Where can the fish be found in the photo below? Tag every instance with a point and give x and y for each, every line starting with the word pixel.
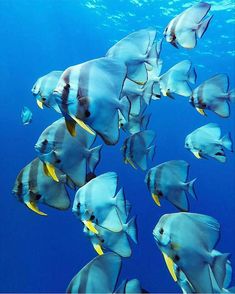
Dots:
pixel 188 240
pixel 137 148
pixel 176 80
pixel 206 142
pixel 43 90
pixel 57 149
pixel 168 181
pixel 131 286
pixel 89 94
pixel 136 51
pixel 26 116
pixel 225 278
pixel 99 276
pixel 135 123
pixel 115 241
pixel 97 203
pixel 187 27
pixel 213 95
pixel 33 187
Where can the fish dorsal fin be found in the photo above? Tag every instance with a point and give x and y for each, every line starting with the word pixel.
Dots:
pixel 217 85
pixel 212 129
pixel 178 167
pixel 196 13
pixel 147 136
pixel 209 228
pixel 98 276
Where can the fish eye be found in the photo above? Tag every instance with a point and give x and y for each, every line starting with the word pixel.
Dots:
pixel 38 196
pixel 58 161
pixel 67 86
pixel 176 258
pixel 121 124
pixel 78 205
pixel 161 231
pixel 87 113
pixel 92 217
pixel 43 99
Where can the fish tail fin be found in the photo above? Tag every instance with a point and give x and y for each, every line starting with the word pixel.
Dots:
pixel 192 76
pixel 190 188
pixel 120 200
pixel 147 92
pixel 145 121
pixel 231 95
pixel 218 268
pixel 94 157
pixel 202 27
pixel 151 152
pixel 131 229
pixel 125 107
pixel 227 142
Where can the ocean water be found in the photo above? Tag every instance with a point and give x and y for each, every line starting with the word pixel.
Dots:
pixel 42 254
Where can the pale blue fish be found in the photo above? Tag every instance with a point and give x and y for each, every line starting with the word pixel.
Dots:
pixel 138 148
pixel 26 116
pixel 169 181
pixel 206 142
pixel 98 203
pixel 214 95
pixel 115 241
pixel 43 90
pixel 135 124
pixel 90 94
pixel 135 51
pixel 130 286
pixel 224 277
pixel 185 28
pixel 33 187
pixel 176 80
pixel 99 276
pixel 188 240
pixel 70 155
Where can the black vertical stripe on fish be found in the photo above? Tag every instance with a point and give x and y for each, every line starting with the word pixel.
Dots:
pixel 65 92
pixel 172 32
pixel 200 96
pixel 83 91
pixel 19 184
pixel 157 177
pixel 43 147
pixel 148 180
pixel 33 175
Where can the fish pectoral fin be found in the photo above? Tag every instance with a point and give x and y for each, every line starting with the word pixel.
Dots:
pixel 170 266
pixel 40 104
pixel 50 170
pixel 32 205
pixel 197 154
pixel 201 111
pixel 70 124
pixel 98 249
pixel 83 125
pixel 90 226
pixel 130 162
pixel 156 199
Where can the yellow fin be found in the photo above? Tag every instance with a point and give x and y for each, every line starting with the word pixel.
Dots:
pixel 32 205
pixel 140 83
pixel 131 163
pixel 90 226
pixel 46 170
pixel 71 127
pixel 156 199
pixel 201 111
pixel 52 172
pixel 40 104
pixel 98 249
pixel 83 125
pixel 170 266
pixel 197 154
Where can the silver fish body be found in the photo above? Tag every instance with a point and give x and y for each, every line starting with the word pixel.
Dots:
pixel 43 90
pixel 188 240
pixel 72 156
pixel 206 142
pixel 168 181
pixel 185 28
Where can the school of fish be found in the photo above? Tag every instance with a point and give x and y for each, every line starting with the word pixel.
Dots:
pixel 101 97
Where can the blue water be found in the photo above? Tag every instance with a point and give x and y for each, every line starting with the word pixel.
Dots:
pixel 42 254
